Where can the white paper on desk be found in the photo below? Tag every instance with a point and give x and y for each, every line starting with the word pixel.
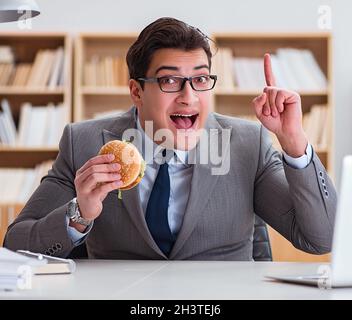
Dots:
pixel 8 256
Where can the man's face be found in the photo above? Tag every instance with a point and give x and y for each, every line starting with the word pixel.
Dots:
pixel 183 112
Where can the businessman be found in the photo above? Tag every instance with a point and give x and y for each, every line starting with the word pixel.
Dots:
pixel 182 209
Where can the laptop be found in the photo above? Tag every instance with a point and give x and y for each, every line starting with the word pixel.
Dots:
pixel 339 272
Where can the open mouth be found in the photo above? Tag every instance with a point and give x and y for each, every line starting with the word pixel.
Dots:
pixel 184 121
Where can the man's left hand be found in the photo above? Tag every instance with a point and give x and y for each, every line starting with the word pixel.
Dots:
pixel 280 111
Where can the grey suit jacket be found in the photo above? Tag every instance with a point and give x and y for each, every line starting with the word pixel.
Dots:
pixel 219 218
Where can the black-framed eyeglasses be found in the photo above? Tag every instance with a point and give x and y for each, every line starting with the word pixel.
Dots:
pixel 176 83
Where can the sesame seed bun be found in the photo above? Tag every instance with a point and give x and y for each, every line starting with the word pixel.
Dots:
pixel 128 156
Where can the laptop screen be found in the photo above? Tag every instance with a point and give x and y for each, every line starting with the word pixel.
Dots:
pixel 342 240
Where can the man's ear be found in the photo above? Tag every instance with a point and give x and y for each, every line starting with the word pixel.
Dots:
pixel 136 92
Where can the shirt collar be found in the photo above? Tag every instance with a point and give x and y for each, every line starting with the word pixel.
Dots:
pixel 180 154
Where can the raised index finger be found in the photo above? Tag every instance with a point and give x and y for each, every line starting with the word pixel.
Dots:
pixel 268 72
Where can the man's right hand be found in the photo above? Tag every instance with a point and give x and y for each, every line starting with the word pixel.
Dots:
pixel 94 180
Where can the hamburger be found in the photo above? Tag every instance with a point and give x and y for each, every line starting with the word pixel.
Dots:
pixel 130 160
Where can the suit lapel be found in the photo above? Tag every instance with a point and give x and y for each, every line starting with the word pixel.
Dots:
pixel 202 185
pixel 130 198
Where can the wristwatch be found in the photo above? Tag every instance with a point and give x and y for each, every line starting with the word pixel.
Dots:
pixel 75 215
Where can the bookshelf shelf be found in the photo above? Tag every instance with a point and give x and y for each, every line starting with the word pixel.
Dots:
pixel 25 157
pixel 28 149
pixel 122 90
pixel 100 62
pixel 11 90
pixel 44 54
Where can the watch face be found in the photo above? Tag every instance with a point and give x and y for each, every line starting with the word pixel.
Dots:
pixel 83 221
pixel 72 209
pixel 75 215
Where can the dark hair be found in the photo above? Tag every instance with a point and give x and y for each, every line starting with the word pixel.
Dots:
pixel 160 34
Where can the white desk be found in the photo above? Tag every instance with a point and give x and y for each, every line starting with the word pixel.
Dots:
pixel 121 279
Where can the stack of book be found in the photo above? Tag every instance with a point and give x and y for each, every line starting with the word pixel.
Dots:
pixel 315 125
pixel 105 72
pixel 6 54
pixel 8 131
pixel 39 126
pixel 222 67
pixel 21 183
pixel 47 70
pixel 295 69
pixel 6 64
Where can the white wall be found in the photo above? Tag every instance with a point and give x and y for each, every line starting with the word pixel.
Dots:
pixel 219 15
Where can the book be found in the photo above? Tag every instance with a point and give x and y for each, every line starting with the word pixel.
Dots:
pixel 21 183
pixel 56 68
pixel 294 69
pixel 8 121
pixel 6 54
pixel 53 265
pixel 25 114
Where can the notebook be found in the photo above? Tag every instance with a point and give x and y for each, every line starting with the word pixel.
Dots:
pixel 53 265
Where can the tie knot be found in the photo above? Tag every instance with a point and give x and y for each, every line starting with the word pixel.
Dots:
pixel 167 155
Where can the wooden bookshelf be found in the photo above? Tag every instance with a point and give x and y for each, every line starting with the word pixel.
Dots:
pixel 25 47
pixel 90 99
pixel 8 212
pixel 25 157
pixel 237 102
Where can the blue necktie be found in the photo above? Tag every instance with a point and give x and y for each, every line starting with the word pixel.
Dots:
pixel 156 214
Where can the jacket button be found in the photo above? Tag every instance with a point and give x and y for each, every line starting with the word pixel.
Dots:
pixel 326 193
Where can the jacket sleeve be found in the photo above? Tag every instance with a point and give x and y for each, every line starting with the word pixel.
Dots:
pixel 298 203
pixel 41 225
